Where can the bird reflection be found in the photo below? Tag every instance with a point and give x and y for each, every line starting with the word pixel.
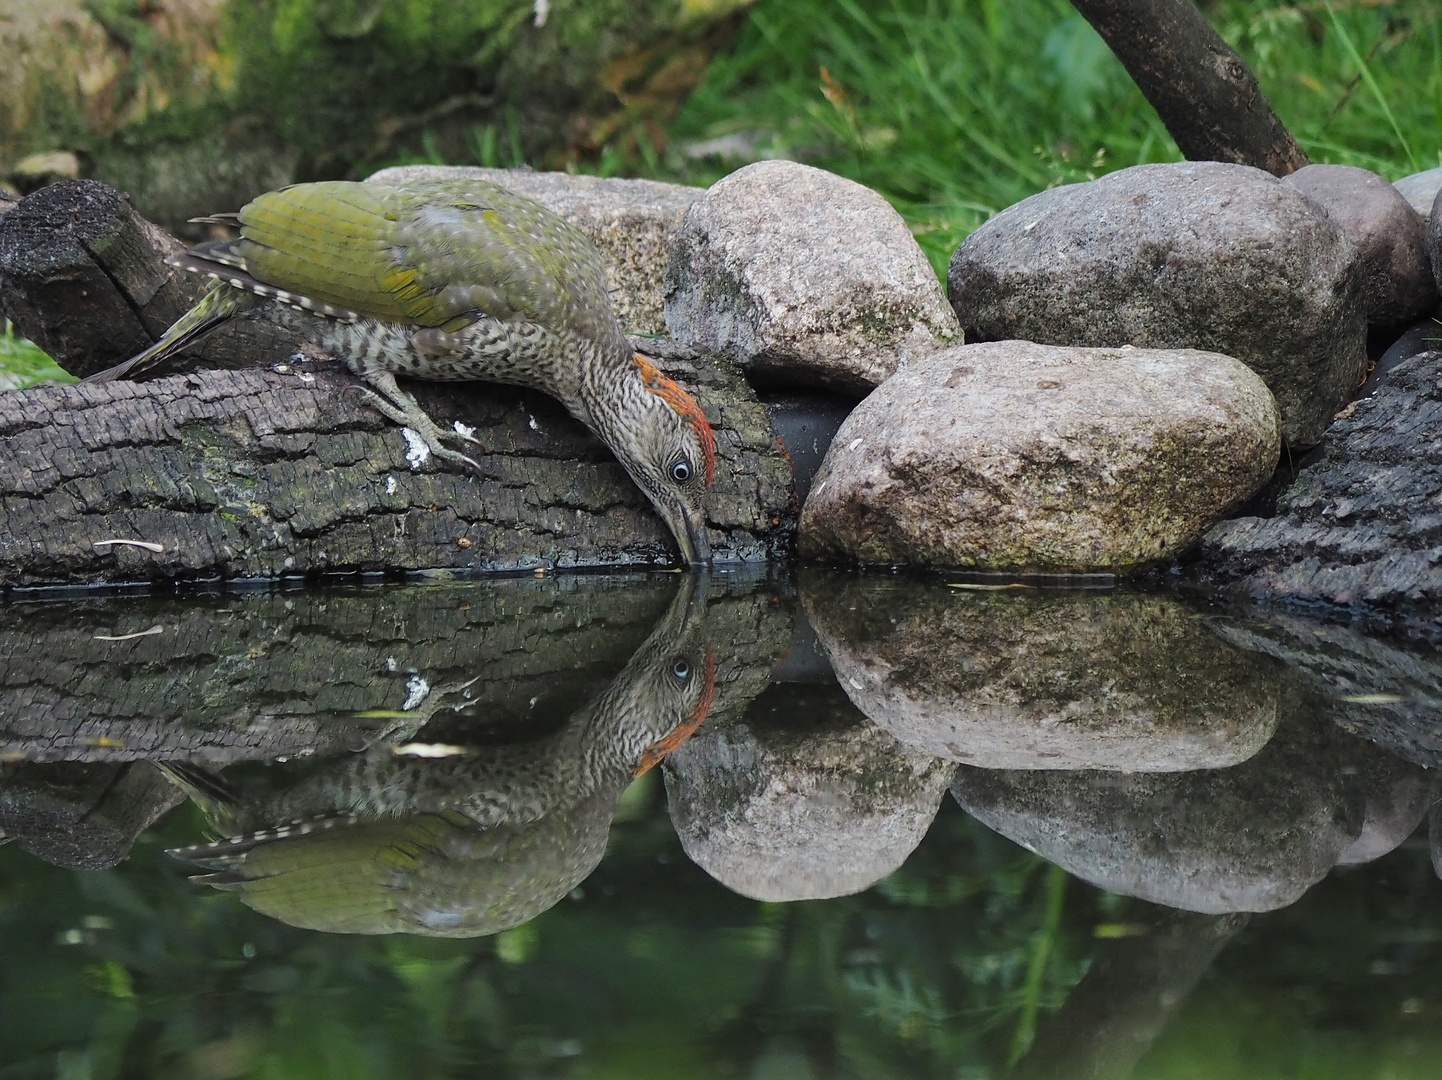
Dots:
pixel 463 845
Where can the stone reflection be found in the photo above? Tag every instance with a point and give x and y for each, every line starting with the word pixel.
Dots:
pixel 802 799
pixel 486 839
pixel 1031 679
pixel 1246 839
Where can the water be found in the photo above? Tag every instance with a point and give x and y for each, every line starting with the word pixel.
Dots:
pixel 658 826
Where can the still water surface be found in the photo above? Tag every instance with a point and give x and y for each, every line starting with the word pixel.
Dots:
pixel 661 826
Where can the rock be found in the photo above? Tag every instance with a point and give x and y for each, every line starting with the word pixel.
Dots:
pixel 803 799
pixel 1420 189
pixel 1017 456
pixel 628 220
pixel 1360 526
pixel 1196 255
pixel 804 277
pixel 1434 239
pixel 1045 680
pixel 1392 241
pixel 1250 838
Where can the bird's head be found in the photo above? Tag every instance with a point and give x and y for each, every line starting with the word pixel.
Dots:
pixel 665 443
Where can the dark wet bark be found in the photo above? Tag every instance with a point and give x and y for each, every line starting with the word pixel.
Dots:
pixel 1358 528
pixel 264 473
pixel 81 816
pixel 1202 90
pixel 81 275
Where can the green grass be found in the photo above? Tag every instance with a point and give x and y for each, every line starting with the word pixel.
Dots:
pixel 23 364
pixel 955 109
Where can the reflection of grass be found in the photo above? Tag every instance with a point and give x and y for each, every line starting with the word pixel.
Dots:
pixel 23 364
pixel 1042 945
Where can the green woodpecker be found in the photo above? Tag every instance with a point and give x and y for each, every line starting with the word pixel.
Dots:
pixel 455 280
pixel 458 846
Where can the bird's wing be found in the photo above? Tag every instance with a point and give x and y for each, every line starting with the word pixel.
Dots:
pixel 429 254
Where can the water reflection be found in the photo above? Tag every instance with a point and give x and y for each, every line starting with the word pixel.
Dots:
pixel 485 837
pixel 803 799
pixel 807 731
pixel 1250 838
pixel 1034 680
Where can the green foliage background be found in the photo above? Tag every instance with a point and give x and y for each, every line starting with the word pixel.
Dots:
pixel 952 109
pixel 651 971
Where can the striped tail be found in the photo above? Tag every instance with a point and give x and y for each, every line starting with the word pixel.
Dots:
pixel 215 307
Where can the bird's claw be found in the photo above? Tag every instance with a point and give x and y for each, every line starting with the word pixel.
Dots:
pixel 416 420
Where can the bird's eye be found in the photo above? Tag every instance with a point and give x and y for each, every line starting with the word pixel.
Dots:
pixel 681 670
pixel 681 471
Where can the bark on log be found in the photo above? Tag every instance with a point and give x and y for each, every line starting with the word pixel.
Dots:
pixel 1203 91
pixel 82 276
pixel 263 474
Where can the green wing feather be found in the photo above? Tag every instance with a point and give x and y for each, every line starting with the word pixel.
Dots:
pixel 434 254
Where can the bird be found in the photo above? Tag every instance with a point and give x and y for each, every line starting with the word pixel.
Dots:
pixel 466 845
pixel 452 280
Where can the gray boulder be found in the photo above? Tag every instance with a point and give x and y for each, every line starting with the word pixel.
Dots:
pixel 810 803
pixel 1250 838
pixel 1195 255
pixel 1015 456
pixel 1389 235
pixel 1045 680
pixel 1420 189
pixel 628 220
pixel 805 278
pixel 1434 240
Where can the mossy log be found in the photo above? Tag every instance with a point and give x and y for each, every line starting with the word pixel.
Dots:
pixel 284 469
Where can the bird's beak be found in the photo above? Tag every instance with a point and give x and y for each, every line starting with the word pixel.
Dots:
pixel 690 532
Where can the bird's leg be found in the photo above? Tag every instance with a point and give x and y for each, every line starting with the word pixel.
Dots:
pixel 406 723
pixel 399 406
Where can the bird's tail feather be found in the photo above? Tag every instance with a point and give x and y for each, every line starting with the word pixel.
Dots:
pixel 218 305
pixel 217 797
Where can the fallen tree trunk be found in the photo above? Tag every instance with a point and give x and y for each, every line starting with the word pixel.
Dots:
pixel 263 474
pixel 284 470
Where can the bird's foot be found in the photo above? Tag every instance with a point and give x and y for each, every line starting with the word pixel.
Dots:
pixel 395 404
